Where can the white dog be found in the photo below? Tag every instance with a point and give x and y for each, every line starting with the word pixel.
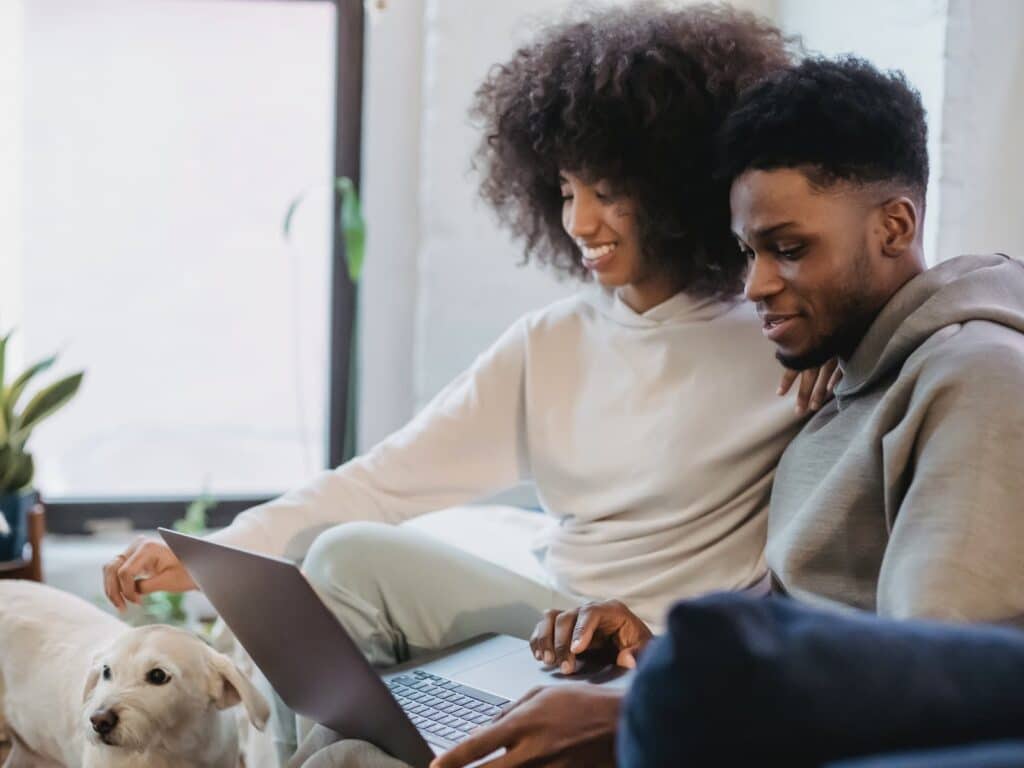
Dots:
pixel 80 689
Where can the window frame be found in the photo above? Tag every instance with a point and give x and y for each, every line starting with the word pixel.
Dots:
pixel 74 515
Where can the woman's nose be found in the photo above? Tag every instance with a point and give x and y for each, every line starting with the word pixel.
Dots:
pixel 582 218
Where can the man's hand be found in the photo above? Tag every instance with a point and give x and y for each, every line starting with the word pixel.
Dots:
pixel 816 385
pixel 562 727
pixel 146 566
pixel 562 635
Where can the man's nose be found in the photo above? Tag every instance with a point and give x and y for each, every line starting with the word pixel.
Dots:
pixel 103 721
pixel 762 279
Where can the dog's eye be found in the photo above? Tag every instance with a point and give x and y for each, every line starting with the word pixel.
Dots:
pixel 157 676
pixel 106 672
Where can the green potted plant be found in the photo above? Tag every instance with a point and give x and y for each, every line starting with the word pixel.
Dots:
pixel 17 469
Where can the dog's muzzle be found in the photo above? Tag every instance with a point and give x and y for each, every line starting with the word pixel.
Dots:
pixel 103 721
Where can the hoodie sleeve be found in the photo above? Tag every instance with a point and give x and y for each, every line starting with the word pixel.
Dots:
pixel 467 442
pixel 955 546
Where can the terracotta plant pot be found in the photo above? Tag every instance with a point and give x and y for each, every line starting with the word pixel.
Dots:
pixel 15 508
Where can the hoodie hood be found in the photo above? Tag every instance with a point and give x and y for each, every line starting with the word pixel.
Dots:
pixel 989 287
pixel 678 309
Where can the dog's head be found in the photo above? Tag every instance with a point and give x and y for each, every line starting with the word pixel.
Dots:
pixel 161 687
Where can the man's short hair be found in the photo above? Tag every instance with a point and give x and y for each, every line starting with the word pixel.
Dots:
pixel 836 120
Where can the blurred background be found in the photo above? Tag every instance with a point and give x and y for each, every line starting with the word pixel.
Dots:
pixel 150 149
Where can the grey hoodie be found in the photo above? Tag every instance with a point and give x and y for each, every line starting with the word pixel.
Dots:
pixel 905 494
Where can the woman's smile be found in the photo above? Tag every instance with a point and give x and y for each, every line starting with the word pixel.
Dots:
pixel 598 257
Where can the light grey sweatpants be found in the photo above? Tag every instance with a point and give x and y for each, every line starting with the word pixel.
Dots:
pixel 400 593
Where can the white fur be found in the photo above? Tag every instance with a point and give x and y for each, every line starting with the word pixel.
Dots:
pixel 53 648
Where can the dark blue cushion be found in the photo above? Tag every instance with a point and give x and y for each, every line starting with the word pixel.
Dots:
pixel 1000 754
pixel 740 680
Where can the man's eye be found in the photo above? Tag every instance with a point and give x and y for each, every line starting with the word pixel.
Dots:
pixel 106 672
pixel 791 252
pixel 157 676
pixel 566 196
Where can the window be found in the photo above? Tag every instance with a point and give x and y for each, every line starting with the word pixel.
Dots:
pixel 162 143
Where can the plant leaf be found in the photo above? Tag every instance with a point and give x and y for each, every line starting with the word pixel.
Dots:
pixel 24 470
pixel 16 388
pixel 7 467
pixel 293 206
pixel 3 356
pixel 16 469
pixel 352 226
pixel 44 403
pixel 194 521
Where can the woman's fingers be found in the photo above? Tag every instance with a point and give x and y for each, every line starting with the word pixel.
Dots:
pixel 803 395
pixel 146 566
pixel 821 391
pixel 111 578
pixel 816 385
pixel 788 377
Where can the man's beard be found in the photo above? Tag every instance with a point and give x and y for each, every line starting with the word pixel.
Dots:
pixel 854 312
pixel 840 343
pixel 816 358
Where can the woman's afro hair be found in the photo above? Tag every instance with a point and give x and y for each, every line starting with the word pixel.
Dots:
pixel 633 96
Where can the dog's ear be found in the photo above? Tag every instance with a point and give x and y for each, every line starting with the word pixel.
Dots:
pixel 228 686
pixel 90 680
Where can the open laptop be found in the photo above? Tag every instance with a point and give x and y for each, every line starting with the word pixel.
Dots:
pixel 413 712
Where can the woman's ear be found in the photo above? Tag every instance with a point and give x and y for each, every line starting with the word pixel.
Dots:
pixel 228 686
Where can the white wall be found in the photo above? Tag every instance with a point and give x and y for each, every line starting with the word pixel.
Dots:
pixel 391 171
pixel 983 130
pixel 470 287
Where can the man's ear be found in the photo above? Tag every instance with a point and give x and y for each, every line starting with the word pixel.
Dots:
pixel 901 221
pixel 228 686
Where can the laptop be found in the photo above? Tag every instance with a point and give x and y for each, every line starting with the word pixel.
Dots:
pixel 412 712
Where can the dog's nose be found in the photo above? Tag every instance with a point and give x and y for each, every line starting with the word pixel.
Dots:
pixel 103 721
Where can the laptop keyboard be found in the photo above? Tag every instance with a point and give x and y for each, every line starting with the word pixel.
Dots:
pixel 442 707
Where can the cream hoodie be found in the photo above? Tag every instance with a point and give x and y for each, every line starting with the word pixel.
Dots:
pixel 652 440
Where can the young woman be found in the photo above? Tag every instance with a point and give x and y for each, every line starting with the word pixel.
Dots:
pixel 643 408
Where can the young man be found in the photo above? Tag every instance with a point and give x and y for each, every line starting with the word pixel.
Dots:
pixel 903 497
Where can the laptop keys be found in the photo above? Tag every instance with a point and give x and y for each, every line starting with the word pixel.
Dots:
pixel 442 708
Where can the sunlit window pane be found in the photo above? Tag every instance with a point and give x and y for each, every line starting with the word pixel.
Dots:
pixel 164 140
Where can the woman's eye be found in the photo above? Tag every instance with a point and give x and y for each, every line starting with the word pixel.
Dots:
pixel 106 672
pixel 157 676
pixel 789 252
